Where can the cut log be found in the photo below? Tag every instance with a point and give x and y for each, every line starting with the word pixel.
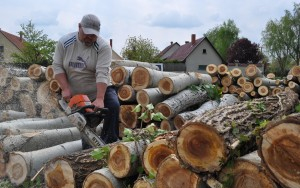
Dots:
pixel 150 96
pixel 102 178
pixel 120 160
pixel 228 99
pixel 183 117
pixel 71 170
pixel 279 150
pixel 54 86
pixel 22 84
pixel 175 84
pixel 216 80
pixel 264 82
pixel 212 69
pixel 144 182
pixel 248 87
pixel 242 80
pixel 244 96
pixel 49 73
pixel 247 172
pixel 27 104
pixel 271 75
pixel 22 165
pixel 37 72
pixel 121 75
pixel 154 154
pixel 294 86
pixel 6 96
pixel 143 77
pixel 236 73
pixel 126 93
pixel 167 125
pixel 252 72
pixel 128 117
pixel 295 71
pixel 263 91
pixel 170 173
pixel 226 80
pixel 7 115
pixel 204 143
pixel 276 90
pixel 222 69
pixel 3 76
pixel 179 102
pixel 131 63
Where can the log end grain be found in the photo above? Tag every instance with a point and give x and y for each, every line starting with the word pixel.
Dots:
pixel 171 174
pixel 222 69
pixel 164 109
pixel 166 85
pixel 118 75
pixel 154 154
pixel 142 183
pixel 178 121
pixel 212 69
pixel 125 92
pixel 142 98
pixel 200 147
pixel 98 179
pixel 59 174
pixel 119 160
pixel 140 78
pixel 280 151
pixel 16 169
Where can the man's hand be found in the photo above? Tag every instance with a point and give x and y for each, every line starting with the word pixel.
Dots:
pixel 98 103
pixel 66 94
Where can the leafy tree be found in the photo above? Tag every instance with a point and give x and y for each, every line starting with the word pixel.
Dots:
pixel 139 49
pixel 37 47
pixel 281 39
pixel 223 36
pixel 243 51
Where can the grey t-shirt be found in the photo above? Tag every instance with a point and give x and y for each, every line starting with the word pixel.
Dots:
pixel 84 66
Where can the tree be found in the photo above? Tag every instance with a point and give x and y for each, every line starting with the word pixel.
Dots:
pixel 139 49
pixel 243 51
pixel 37 47
pixel 223 36
pixel 281 39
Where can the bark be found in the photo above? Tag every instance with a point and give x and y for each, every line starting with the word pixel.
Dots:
pixel 22 84
pixel 121 75
pixel 49 73
pixel 294 86
pixel 228 99
pixel 179 102
pixel 279 150
pixel 71 170
pixel 244 96
pixel 3 76
pixel 120 158
pixel 247 172
pixel 170 173
pixel 175 84
pixel 7 115
pixel 205 142
pixel 126 93
pixel 131 63
pixel 181 118
pixel 150 96
pixel 264 82
pixel 102 178
pixel 212 69
pixel 6 96
pixel 128 117
pixel 252 71
pixel 154 154
pixel 22 165
pixel 143 77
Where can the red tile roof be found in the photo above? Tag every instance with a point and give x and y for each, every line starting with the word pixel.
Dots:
pixel 184 51
pixel 167 48
pixel 15 40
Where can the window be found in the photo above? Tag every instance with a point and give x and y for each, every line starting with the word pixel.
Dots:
pixel 1 48
pixel 202 67
pixel 204 51
pixel 1 53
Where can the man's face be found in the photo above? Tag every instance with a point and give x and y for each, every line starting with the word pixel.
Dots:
pixel 87 39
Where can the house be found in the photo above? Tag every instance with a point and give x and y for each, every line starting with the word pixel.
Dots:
pixel 169 50
pixel 115 55
pixel 194 55
pixel 9 44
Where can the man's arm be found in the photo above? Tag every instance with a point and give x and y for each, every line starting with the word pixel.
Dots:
pixel 64 85
pixel 101 89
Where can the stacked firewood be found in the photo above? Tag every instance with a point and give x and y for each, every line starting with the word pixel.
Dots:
pixel 196 152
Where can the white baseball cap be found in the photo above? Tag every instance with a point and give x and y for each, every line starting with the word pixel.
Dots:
pixel 90 24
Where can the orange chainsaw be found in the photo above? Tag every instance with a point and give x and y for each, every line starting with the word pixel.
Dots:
pixel 80 112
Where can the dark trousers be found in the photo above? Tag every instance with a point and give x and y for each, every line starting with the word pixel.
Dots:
pixel 110 131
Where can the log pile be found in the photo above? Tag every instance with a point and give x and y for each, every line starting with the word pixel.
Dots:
pixel 201 145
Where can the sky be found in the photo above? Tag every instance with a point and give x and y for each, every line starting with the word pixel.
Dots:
pixel 161 21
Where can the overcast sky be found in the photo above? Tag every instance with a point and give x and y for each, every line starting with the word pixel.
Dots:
pixel 161 21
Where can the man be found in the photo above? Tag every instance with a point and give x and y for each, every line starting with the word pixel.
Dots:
pixel 81 65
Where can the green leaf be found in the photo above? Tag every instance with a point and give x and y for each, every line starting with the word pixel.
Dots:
pixel 137 108
pixel 297 108
pixel 150 107
pixel 244 138
pixel 133 158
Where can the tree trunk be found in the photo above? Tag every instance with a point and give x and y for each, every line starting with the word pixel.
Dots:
pixel 128 117
pixel 71 170
pixel 264 82
pixel 143 77
pixel 126 93
pixel 175 84
pixel 154 154
pixel 121 75
pixel 7 115
pixel 252 72
pixel 279 150
pixel 150 96
pixel 120 158
pixel 26 164
pixel 22 84
pixel 247 172
pixel 102 178
pixel 170 173
pixel 204 143
pixel 294 86
pixel 131 63
pixel 183 117
pixel 179 102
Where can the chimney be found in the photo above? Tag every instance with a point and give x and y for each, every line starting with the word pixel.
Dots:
pixel 21 36
pixel 193 40
pixel 110 42
pixel 171 42
pixel 187 42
